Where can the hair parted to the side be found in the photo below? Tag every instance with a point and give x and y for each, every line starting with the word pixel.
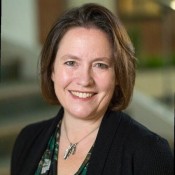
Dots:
pixel 88 16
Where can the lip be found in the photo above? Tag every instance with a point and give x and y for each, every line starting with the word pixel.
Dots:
pixel 82 95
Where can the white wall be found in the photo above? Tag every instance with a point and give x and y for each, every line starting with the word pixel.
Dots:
pixel 19 21
pixel 19 28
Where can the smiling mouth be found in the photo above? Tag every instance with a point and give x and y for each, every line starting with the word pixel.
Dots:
pixel 82 94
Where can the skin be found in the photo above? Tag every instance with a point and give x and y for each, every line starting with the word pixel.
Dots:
pixel 84 81
pixel 84 76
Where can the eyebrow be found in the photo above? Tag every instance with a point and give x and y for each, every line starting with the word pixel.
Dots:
pixel 104 59
pixel 77 58
pixel 70 56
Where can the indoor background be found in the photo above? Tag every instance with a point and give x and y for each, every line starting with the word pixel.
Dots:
pixel 24 27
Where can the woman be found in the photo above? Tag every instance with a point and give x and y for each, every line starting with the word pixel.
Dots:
pixel 88 67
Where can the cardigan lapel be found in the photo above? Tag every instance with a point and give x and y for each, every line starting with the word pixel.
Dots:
pixel 40 146
pixel 103 142
pixel 99 155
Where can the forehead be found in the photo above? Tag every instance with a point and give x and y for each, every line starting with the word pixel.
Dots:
pixel 90 30
pixel 92 39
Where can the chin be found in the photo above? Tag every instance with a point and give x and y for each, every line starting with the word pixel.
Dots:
pixel 78 113
pixel 86 114
pixel 82 114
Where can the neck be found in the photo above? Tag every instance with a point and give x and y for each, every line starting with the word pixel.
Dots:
pixel 75 131
pixel 76 125
pixel 77 128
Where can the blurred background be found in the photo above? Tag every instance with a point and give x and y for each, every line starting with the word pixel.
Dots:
pixel 24 27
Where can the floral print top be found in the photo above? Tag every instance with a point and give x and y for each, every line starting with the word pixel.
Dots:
pixel 48 162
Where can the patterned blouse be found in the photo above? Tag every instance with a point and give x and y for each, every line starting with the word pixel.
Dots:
pixel 48 162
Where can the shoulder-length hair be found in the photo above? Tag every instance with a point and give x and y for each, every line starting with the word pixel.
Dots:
pixel 92 15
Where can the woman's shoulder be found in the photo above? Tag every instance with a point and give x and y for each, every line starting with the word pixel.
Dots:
pixel 150 151
pixel 138 135
pixel 141 139
pixel 31 141
pixel 134 128
pixel 34 129
pixel 32 133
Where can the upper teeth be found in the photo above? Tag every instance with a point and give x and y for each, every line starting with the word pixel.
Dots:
pixel 82 94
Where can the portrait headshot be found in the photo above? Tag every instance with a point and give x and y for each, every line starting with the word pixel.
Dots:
pixel 87 71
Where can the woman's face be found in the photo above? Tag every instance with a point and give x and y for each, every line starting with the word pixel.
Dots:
pixel 83 74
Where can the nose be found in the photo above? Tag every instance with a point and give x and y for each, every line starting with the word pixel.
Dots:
pixel 85 77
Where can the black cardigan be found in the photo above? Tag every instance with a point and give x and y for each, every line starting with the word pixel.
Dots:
pixel 122 147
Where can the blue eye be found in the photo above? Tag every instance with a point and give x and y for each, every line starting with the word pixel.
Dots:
pixel 70 63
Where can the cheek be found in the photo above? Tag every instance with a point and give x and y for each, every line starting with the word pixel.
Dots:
pixel 109 86
pixel 106 81
pixel 61 78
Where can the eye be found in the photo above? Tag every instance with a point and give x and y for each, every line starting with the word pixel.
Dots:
pixel 101 65
pixel 70 63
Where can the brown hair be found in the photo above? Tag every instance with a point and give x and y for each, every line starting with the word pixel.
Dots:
pixel 92 15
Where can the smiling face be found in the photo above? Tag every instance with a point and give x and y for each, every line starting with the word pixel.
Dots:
pixel 83 73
